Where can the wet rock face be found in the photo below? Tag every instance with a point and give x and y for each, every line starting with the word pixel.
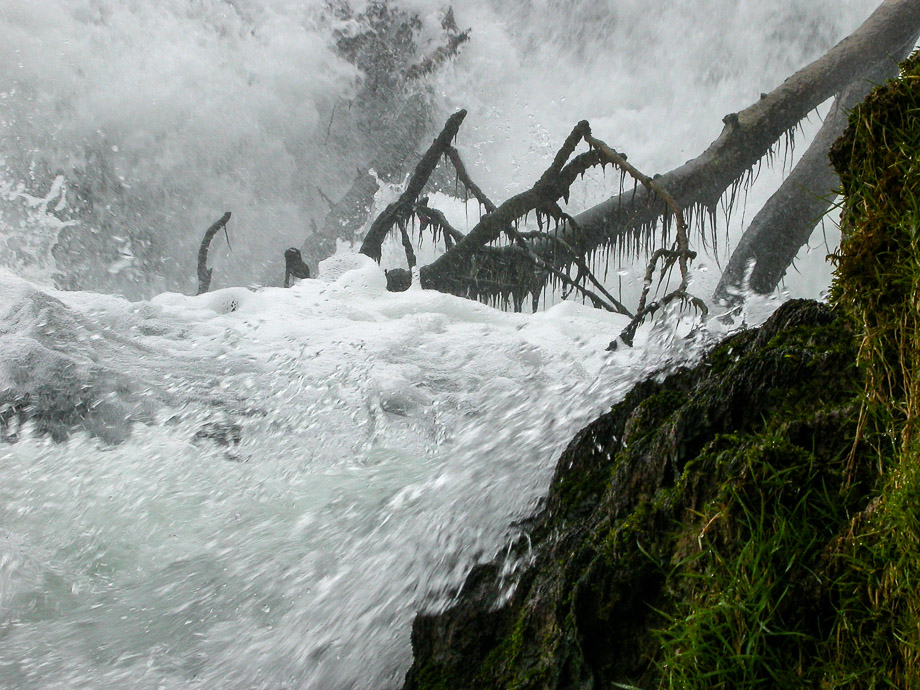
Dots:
pixel 628 504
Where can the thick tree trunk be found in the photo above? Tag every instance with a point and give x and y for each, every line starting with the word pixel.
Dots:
pixel 789 217
pixel 700 183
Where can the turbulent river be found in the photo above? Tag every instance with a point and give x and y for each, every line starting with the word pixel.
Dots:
pixel 259 487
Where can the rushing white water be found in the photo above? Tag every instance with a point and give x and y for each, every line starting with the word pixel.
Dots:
pixel 259 488
pixel 385 443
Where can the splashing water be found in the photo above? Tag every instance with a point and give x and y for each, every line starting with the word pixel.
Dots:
pixel 304 470
pixel 259 488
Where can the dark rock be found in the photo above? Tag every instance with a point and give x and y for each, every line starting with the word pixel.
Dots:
pixel 634 498
pixel 224 434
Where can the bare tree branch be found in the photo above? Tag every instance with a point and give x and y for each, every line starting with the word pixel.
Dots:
pixel 474 266
pixel 789 217
pixel 204 273
pixel 454 157
pixel 402 207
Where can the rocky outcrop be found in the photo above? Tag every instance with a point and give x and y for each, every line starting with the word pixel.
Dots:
pixel 698 511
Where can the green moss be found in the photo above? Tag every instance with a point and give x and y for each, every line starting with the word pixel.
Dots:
pixel 875 640
pixel 657 408
pixel 724 355
pixel 877 277
pixel 435 677
pixel 505 668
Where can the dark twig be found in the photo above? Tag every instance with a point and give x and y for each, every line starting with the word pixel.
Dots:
pixel 454 157
pixel 402 208
pixel 545 266
pixel 204 273
pixel 433 217
pixel 583 269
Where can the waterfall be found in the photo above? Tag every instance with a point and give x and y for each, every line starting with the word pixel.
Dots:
pixel 260 487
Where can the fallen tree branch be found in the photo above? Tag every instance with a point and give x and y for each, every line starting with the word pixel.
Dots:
pixel 446 272
pixel 402 208
pixel 433 217
pixel 612 305
pixel 681 254
pixel 475 267
pixel 748 135
pixel 204 273
pixel 789 217
pixel 542 198
pixel 583 269
pixel 746 138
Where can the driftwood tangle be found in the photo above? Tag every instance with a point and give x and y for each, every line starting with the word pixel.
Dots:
pixel 496 260
pixel 529 271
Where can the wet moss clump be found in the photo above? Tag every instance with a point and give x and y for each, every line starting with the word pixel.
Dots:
pixel 877 278
pixel 876 638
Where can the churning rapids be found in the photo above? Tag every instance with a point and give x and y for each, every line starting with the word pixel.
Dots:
pixel 259 487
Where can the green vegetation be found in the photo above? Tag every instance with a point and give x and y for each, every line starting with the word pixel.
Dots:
pixel 877 634
pixel 745 617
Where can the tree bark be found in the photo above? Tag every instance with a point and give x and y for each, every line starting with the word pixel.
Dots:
pixel 700 183
pixel 788 219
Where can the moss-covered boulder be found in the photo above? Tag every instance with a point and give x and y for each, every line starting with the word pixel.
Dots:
pixel 699 507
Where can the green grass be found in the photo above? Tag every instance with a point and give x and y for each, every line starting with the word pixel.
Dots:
pixel 790 529
pixel 739 621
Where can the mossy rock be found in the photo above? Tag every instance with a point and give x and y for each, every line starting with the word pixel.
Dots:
pixel 617 557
